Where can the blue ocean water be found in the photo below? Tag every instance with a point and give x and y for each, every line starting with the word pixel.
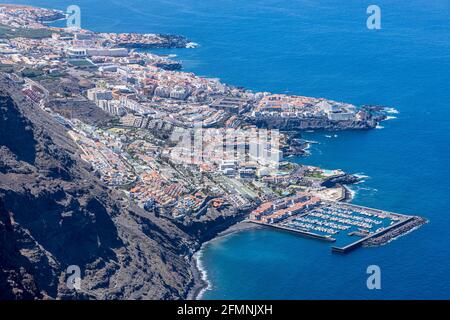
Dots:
pixel 323 48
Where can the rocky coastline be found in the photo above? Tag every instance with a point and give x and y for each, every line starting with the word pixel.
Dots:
pixel 314 124
pixel 342 179
pixel 373 115
pixel 391 235
pixel 166 42
pixel 128 253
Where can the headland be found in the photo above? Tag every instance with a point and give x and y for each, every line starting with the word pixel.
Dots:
pixel 191 150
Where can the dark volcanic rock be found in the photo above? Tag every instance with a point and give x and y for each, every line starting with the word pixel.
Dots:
pixel 339 180
pixel 168 41
pixel 169 65
pixel 16 133
pixel 212 223
pixel 54 213
pixel 85 111
pixel 291 124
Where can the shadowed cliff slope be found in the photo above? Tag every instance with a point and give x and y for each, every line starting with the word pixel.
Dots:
pixel 54 213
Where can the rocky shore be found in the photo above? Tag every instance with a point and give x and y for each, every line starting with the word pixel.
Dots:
pixel 402 230
pixel 373 116
pixel 165 42
pixel 55 213
pixel 295 145
pixel 342 179
pixel 313 124
pixel 169 65
pixel 52 16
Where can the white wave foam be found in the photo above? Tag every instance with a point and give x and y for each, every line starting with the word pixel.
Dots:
pixel 192 45
pixel 204 274
pixel 392 110
pixel 352 192
pixel 390 118
pixel 362 178
pixel 368 189
pixel 361 175
pixel 379 127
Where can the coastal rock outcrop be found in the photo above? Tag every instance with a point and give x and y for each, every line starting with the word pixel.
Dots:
pixel 370 117
pixel 167 41
pixel 342 179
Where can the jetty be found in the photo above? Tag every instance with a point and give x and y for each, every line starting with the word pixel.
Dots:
pixel 303 233
pixel 346 225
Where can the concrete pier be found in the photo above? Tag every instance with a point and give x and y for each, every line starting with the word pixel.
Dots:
pixel 363 224
pixel 296 231
pixel 358 243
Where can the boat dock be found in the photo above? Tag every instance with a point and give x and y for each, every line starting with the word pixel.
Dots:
pixel 296 231
pixel 358 243
pixel 346 225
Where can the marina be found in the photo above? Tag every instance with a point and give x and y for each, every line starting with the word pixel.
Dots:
pixel 347 226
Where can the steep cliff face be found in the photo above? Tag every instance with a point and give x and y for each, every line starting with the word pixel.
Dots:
pixel 54 213
pixel 370 116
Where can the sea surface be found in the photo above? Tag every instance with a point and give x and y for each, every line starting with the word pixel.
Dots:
pixel 324 49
